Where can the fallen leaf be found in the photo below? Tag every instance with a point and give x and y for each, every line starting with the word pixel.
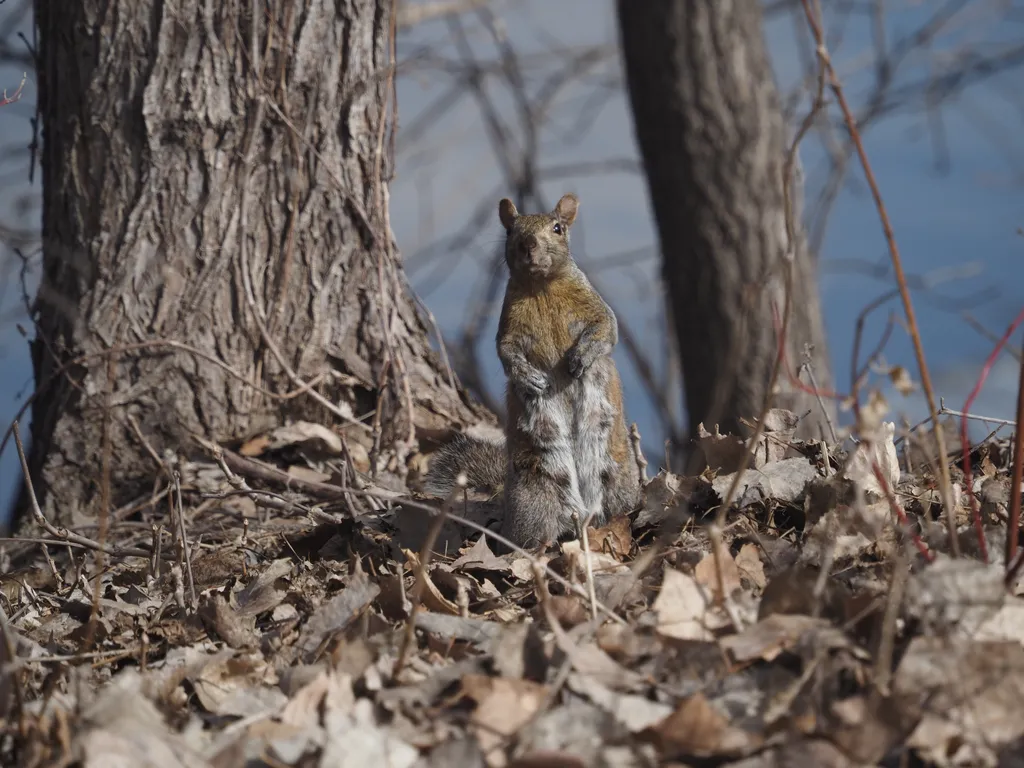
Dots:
pixel 479 557
pixel 707 572
pixel 725 453
pixel 503 706
pixel 573 562
pixel 431 597
pixel 355 739
pixel 634 712
pixel 881 449
pixel 336 613
pixel 771 636
pixel 748 561
pixel 967 694
pixel 781 482
pixel 458 627
pixel 241 686
pixel 684 609
pixel 300 472
pixel 697 729
pixel 615 538
pixel 955 596
pixel 315 437
pixel 662 495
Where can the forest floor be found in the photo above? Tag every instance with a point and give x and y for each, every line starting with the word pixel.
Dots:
pixel 318 617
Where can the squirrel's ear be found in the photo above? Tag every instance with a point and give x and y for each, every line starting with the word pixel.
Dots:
pixel 507 213
pixel 566 209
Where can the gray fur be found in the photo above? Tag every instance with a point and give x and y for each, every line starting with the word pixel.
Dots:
pixel 482 461
pixel 562 417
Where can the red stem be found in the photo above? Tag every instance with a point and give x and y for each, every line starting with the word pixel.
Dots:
pixel 965 441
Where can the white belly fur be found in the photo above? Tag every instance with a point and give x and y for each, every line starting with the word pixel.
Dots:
pixel 578 448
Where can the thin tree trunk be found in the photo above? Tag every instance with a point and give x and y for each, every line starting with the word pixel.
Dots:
pixel 217 180
pixel 711 134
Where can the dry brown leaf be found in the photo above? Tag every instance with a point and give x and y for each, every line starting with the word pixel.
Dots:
pixel 458 627
pixel 573 562
pixel 955 596
pixel 615 538
pixel 684 609
pixel 662 495
pixel 242 686
pixel 771 636
pixel 970 697
pixel 707 572
pixel 304 707
pixel 264 593
pixel 300 472
pixel 336 613
pixel 479 557
pixel 748 561
pixel 568 610
pixel 222 621
pixel 781 482
pixel 988 469
pixel 635 712
pixel 881 449
pixel 724 453
pixel 696 728
pixel 124 727
pixel 522 569
pixel 355 739
pixel 503 706
pixel 314 437
pixel 901 380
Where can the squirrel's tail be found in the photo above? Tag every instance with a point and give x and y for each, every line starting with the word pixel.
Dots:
pixel 482 461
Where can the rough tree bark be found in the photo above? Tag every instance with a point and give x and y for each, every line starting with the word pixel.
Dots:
pixel 710 130
pixel 217 180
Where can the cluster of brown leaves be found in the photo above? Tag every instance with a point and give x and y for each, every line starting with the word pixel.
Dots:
pixel 806 633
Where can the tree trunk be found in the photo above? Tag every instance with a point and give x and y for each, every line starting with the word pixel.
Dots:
pixel 710 130
pixel 219 181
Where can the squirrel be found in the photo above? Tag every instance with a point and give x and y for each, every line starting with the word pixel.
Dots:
pixel 566 449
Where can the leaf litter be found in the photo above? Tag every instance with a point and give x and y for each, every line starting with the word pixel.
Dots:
pixel 309 626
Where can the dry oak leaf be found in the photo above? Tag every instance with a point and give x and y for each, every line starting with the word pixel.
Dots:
pixel 748 561
pixel 241 686
pixel 335 614
pixel 574 562
pixel 615 538
pixel 432 597
pixel 772 635
pixel 684 608
pixel 706 572
pixel 698 729
pixel 306 433
pixel 503 706
pixel 662 495
pixel 479 557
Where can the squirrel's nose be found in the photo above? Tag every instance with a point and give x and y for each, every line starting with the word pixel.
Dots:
pixel 529 244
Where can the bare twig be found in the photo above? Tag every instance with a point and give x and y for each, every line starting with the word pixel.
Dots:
pixel 1016 475
pixel 945 486
pixel 641 460
pixel 887 636
pixel 46 525
pixel 425 556
pixel 965 443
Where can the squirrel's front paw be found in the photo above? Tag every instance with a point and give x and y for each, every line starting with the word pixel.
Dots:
pixel 534 382
pixel 577 363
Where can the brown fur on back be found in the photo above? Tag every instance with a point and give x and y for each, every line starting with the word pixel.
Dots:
pixel 552 316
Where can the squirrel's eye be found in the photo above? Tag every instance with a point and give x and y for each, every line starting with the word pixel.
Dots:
pixel 557 228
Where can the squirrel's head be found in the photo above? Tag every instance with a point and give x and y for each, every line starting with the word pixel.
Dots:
pixel 537 245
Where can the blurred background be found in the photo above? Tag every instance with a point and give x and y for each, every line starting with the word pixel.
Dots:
pixel 488 90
